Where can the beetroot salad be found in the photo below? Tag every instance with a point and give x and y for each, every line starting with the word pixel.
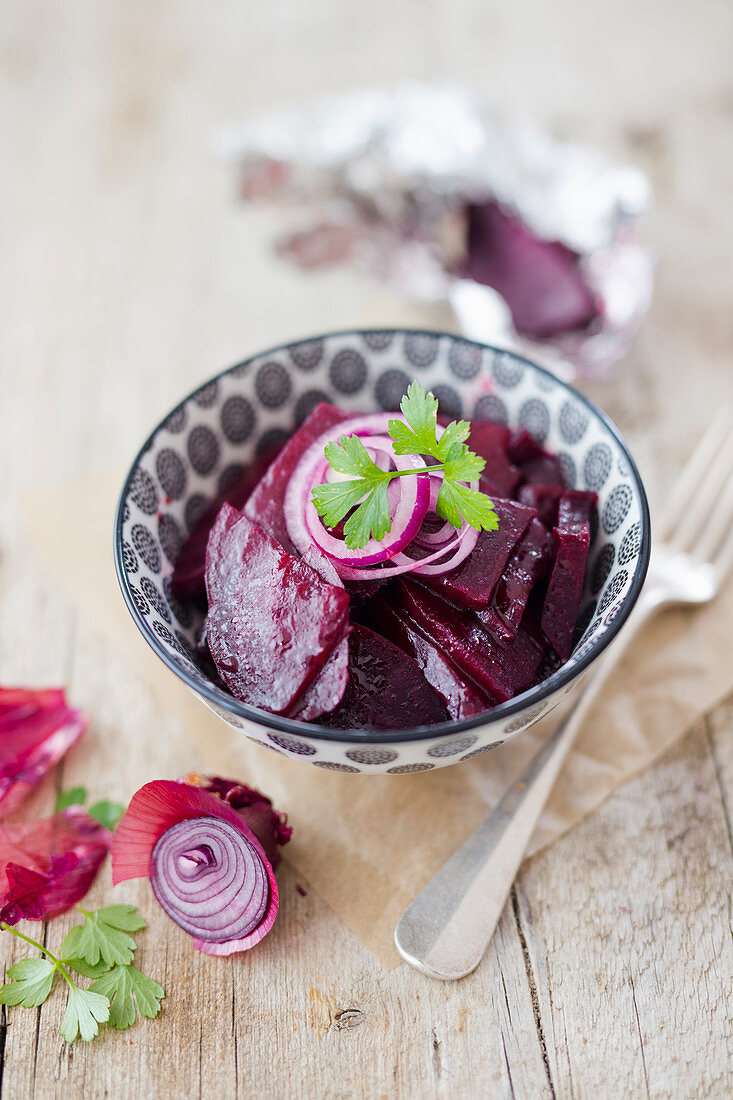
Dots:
pixel 388 571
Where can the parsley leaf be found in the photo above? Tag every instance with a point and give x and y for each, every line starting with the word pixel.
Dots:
pixel 418 435
pixel 31 983
pixel 370 518
pixel 84 1012
pixel 125 987
pixel 350 456
pixel 455 434
pixel 457 503
pixel 365 493
pixel 368 490
pixel 104 935
pixel 463 465
pixel 76 796
pixel 94 950
pixel 82 967
pixel 333 500
pixel 107 813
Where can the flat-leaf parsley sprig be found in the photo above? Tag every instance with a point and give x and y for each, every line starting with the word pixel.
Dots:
pixel 365 490
pixel 101 949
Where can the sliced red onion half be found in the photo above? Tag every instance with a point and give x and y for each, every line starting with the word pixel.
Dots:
pixel 212 881
pixel 208 868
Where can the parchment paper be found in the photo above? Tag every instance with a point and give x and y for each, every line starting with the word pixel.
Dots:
pixel 367 844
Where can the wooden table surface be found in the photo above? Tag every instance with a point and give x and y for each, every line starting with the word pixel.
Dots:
pixel 128 273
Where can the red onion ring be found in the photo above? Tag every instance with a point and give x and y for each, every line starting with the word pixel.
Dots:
pixel 402 563
pixel 424 567
pixel 305 525
pixel 435 538
pixel 409 505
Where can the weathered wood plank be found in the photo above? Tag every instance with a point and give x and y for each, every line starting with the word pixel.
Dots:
pixel 627 922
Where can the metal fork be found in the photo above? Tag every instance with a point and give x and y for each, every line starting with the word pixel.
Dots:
pixel 445 931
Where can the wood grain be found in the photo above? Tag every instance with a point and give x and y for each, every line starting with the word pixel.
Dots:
pixel 128 273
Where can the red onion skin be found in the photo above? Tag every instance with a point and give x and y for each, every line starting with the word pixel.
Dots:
pixel 270 827
pixel 161 804
pixel 48 865
pixel 36 729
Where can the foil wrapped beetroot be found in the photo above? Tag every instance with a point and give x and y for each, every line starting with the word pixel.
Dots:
pixel 36 730
pixel 209 847
pixel 47 866
pixel 541 281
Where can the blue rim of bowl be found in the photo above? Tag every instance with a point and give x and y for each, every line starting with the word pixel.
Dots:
pixel 559 679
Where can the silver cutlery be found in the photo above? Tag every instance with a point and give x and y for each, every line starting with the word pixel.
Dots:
pixel 445 931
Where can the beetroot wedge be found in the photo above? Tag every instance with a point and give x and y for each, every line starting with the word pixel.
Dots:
pixel 523 447
pixel 187 579
pixel 460 698
pixel 543 470
pixel 498 671
pixel 528 564
pixel 265 505
pixel 327 690
pixel 272 620
pixel 386 690
pixel 490 441
pixel 545 498
pixel 564 592
pixel 471 585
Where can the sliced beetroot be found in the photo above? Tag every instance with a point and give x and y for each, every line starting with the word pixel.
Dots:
pixel 541 281
pixel 490 441
pixel 460 635
pixel 460 698
pixel 545 498
pixel 326 691
pixel 386 689
pixel 543 470
pixel 575 509
pixel 565 589
pixel 187 579
pixel 528 564
pixel 523 447
pixel 265 505
pixel 472 583
pixel 218 566
pixel 272 621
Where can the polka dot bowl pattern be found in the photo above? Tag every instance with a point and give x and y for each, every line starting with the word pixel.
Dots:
pixel 217 430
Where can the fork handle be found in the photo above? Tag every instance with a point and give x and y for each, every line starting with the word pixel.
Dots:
pixel 445 931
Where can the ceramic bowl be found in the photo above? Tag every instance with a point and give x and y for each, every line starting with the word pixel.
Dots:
pixel 209 438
